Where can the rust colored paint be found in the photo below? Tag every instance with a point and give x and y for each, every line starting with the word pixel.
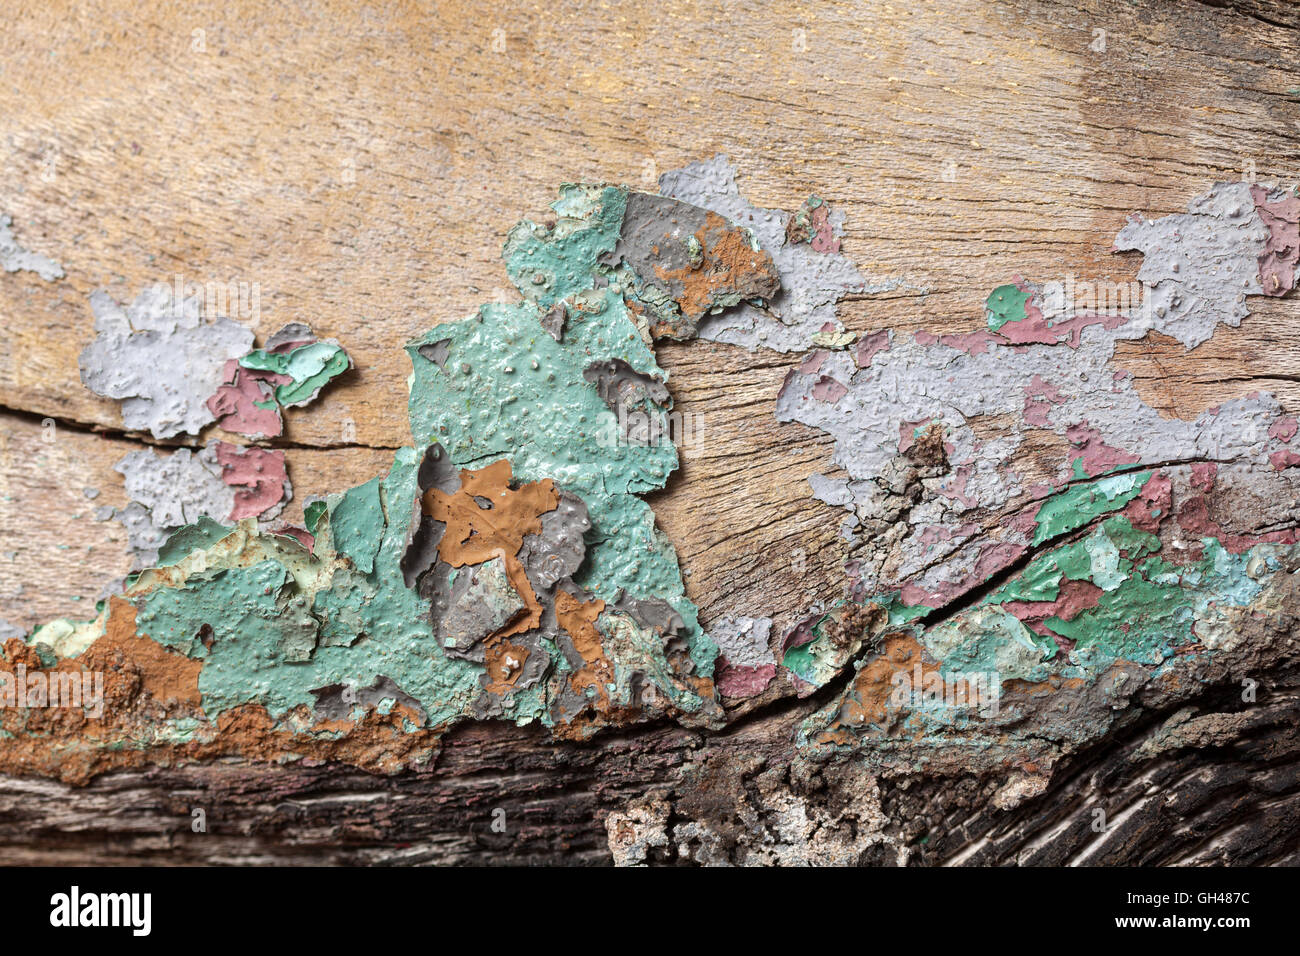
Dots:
pixel 727 264
pixel 166 676
pixel 477 532
pixel 869 701
pixel 579 621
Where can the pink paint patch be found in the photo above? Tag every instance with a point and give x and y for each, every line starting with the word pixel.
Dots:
pixel 302 535
pixel 813 363
pixel 973 343
pixel 1039 399
pixel 737 682
pixel 798 635
pixel 1277 264
pixel 907 433
pixel 1152 505
pixel 258 476
pixel 829 390
pixel 1071 598
pixel 1283 460
pixel 235 403
pixel 1283 429
pixel 868 346
pixel 1204 474
pixel 1096 457
pixel 1035 330
pixel 823 239
pixel 913 595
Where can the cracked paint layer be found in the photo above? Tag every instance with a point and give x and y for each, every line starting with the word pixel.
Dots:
pixel 804 247
pixel 14 258
pixel 220 482
pixel 919 475
pixel 137 350
pixel 508 566
pixel 176 370
pixel 1137 562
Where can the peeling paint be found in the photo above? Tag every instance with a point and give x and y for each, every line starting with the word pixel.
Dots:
pixel 814 275
pixel 1057 379
pixel 508 566
pixel 1200 266
pixel 220 482
pixel 14 258
pixel 138 349
pixel 746 664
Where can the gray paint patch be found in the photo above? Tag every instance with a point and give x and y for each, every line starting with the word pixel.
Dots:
pixel 14 258
pixel 558 551
pixel 480 602
pixel 1200 265
pixel 168 492
pixel 162 359
pixel 743 641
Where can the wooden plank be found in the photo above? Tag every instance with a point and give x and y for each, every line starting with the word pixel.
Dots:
pixel 361 166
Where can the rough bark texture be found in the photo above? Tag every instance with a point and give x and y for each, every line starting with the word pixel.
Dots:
pixel 363 165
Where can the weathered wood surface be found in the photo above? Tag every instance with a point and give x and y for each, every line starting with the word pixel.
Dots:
pixel 362 165
pixel 1235 800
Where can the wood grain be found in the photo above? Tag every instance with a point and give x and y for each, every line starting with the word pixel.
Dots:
pixel 362 164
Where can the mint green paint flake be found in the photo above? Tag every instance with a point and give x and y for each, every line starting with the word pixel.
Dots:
pixel 989 640
pixel 1153 611
pixel 1005 304
pixel 1080 504
pixel 357 522
pixel 310 367
pixel 192 537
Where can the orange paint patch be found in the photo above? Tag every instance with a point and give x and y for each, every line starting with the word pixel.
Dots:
pixel 729 264
pixel 579 622
pixel 873 684
pixel 477 533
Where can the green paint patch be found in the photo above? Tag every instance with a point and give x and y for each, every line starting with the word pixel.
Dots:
pixel 193 537
pixel 1104 558
pixel 310 368
pixel 1080 504
pixel 1005 304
